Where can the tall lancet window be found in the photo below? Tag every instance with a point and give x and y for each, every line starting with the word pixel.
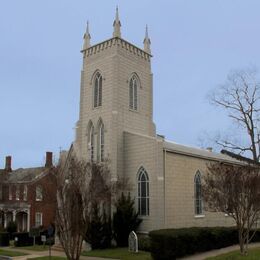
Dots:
pixel 101 142
pixel 98 90
pixel 197 194
pixel 91 141
pixel 143 192
pixel 133 93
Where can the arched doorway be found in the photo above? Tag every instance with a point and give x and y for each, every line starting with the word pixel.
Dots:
pixel 21 221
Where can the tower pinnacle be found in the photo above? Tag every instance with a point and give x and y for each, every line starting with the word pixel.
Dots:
pixel 87 38
pixel 117 25
pixel 147 41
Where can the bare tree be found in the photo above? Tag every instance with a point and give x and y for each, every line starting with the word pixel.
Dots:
pixel 80 185
pixel 240 96
pixel 234 190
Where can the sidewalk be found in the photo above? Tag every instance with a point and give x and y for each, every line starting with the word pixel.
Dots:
pixel 216 252
pixel 32 254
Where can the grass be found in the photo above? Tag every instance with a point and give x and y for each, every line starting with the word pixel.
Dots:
pixel 253 254
pixel 47 258
pixel 119 253
pixel 11 253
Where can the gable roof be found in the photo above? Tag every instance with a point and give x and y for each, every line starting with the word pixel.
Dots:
pixel 198 152
pixel 22 175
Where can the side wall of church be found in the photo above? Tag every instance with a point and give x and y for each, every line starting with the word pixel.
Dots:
pixel 180 171
pixel 146 152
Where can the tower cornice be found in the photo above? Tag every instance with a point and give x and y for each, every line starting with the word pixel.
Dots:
pixel 116 41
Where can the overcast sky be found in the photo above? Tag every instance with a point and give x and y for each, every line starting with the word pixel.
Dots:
pixel 195 44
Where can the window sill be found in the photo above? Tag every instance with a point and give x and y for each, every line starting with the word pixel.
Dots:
pixel 199 216
pixel 143 217
pixel 133 110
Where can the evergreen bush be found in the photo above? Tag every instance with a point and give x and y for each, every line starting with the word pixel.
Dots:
pixel 125 220
pixel 4 239
pixel 99 229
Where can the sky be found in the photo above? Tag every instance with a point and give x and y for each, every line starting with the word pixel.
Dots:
pixel 195 44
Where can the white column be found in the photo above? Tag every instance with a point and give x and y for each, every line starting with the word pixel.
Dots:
pixel 5 220
pixel 14 215
pixel 28 220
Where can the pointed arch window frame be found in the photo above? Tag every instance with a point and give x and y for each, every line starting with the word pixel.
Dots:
pixel 101 141
pixel 91 140
pixel 143 197
pixel 134 85
pixel 97 89
pixel 198 206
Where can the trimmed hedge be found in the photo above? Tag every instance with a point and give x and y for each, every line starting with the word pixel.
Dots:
pixel 172 243
pixel 4 239
pixel 23 239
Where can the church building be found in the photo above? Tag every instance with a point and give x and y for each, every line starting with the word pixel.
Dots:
pixel 116 124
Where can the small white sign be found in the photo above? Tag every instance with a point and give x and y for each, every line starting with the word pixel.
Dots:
pixel 43 238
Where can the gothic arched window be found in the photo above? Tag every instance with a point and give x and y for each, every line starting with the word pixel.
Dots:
pixel 143 192
pixel 197 194
pixel 98 90
pixel 133 93
pixel 91 141
pixel 101 142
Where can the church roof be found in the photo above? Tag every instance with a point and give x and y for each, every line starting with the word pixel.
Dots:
pixel 198 152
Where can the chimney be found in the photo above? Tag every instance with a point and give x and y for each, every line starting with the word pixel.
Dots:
pixel 210 149
pixel 8 163
pixel 48 162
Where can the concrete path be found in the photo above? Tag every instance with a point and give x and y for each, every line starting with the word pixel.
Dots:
pixel 32 254
pixel 216 252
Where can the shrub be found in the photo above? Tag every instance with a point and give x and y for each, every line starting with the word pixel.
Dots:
pixel 4 239
pixel 144 242
pixel 99 229
pixel 175 243
pixel 125 220
pixel 22 239
pixel 11 228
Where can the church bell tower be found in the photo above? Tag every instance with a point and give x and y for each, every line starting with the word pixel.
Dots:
pixel 116 96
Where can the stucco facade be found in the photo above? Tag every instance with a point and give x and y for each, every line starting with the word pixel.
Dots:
pixel 129 140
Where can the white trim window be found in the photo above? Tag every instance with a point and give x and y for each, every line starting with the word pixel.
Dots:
pixel 197 194
pixel 17 192
pixel 101 142
pixel 143 192
pixel 133 93
pixel 10 192
pixel 98 90
pixel 38 193
pixel 38 219
pixel 25 192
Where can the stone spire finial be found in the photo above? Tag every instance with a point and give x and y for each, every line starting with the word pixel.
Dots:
pixel 147 41
pixel 117 25
pixel 87 38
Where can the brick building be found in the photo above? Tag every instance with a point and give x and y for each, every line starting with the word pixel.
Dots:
pixel 28 195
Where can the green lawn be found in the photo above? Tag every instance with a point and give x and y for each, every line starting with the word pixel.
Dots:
pixel 46 258
pixel 11 253
pixel 119 253
pixel 253 254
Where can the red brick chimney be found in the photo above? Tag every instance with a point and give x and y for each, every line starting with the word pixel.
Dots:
pixel 48 162
pixel 8 163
